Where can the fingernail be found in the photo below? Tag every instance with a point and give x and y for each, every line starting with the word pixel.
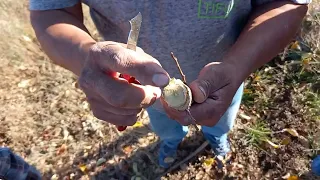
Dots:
pixel 160 80
pixel 203 91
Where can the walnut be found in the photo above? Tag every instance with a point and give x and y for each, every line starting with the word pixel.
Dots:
pixel 177 95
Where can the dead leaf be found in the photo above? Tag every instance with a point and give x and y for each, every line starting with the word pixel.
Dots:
pixel 306 62
pixel 72 175
pixel 144 114
pixel 75 84
pixel 286 176
pixel 127 149
pixel 54 177
pixel 243 116
pixel 247 91
pixel 65 133
pixel 208 162
pixel 306 56
pixel 24 83
pixel 32 89
pixel 257 78
pixel 293 132
pixel 26 38
pixel 272 144
pixel 221 159
pixel 137 124
pixel 83 168
pixel 286 141
pixel 61 149
pixel 85 105
pixel 293 178
pixel 67 93
pixel 295 46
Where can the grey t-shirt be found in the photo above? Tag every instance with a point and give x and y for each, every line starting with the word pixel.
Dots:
pixel 196 31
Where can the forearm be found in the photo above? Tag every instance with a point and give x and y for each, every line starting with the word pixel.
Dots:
pixel 270 28
pixel 63 37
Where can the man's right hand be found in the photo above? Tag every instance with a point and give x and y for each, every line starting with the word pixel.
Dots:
pixel 67 42
pixel 111 98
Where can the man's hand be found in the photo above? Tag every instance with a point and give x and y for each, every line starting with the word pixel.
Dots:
pixel 111 98
pixel 212 92
pixel 67 42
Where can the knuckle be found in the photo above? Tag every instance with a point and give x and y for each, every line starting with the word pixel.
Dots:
pixel 121 59
pixel 114 56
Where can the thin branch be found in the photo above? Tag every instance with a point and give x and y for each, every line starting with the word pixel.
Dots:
pixel 194 123
pixel 183 76
pixel 311 150
pixel 178 65
pixel 201 148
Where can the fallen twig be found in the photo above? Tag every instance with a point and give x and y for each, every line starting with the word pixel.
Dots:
pixel 149 156
pixel 311 150
pixel 200 148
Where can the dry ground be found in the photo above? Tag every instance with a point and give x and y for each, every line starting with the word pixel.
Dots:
pixel 45 119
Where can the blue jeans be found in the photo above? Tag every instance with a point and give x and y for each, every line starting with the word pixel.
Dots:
pixel 315 166
pixel 13 167
pixel 171 132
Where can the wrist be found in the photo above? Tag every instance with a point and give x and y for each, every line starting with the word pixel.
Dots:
pixel 237 70
pixel 83 49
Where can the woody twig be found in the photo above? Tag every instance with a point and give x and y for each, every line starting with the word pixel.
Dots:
pixel 183 76
pixel 180 70
pixel 193 154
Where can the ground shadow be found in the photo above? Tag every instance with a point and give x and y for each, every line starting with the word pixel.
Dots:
pixel 309 176
pixel 122 164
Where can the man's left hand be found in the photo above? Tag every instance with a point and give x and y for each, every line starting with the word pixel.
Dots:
pixel 212 93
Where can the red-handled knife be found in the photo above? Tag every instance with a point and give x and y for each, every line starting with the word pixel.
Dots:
pixel 135 24
pixel 130 79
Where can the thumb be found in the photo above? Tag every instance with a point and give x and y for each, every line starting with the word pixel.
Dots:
pixel 201 89
pixel 212 77
pixel 143 67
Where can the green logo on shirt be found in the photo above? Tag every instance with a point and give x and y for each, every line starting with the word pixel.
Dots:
pixel 210 9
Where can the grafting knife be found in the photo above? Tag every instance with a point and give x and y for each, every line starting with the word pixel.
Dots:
pixel 135 24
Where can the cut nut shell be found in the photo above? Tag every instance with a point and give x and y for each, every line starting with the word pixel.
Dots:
pixel 177 95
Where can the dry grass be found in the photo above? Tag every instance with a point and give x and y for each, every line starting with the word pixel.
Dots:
pixel 45 119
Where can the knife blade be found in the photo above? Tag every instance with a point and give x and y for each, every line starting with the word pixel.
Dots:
pixel 135 24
